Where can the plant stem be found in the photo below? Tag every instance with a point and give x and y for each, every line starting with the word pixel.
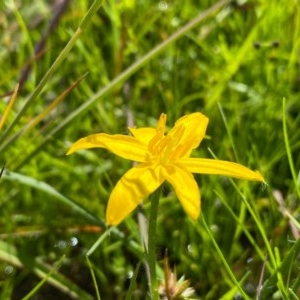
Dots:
pixel 152 243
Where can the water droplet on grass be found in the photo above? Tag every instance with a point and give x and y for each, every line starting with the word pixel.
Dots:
pixel 162 5
pixel 61 244
pixel 8 269
pixel 73 241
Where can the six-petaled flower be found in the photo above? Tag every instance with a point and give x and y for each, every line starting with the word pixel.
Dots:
pixel 161 157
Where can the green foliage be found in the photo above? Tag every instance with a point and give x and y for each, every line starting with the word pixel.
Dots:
pixel 104 65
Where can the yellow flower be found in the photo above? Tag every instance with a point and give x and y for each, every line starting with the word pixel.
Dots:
pixel 161 157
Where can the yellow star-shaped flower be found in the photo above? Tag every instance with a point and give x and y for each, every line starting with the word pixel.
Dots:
pixel 161 157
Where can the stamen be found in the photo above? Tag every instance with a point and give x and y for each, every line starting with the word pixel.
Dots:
pixel 153 144
pixel 161 125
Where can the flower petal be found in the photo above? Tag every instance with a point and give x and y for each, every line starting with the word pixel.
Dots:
pixel 188 132
pixel 144 134
pixel 122 145
pixel 186 189
pixel 219 167
pixel 130 191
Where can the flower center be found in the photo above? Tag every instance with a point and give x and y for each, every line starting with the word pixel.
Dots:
pixel 163 149
pixel 160 149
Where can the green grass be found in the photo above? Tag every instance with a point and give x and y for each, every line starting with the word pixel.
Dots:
pixel 101 64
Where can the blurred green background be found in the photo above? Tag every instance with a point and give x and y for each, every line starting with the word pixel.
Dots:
pixel 236 66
